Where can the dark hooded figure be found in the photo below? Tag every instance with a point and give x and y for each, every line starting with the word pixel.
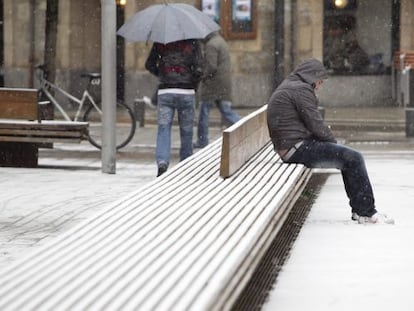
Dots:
pixel 299 135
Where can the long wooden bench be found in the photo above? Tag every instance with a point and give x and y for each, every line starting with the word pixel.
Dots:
pixel 22 129
pixel 189 240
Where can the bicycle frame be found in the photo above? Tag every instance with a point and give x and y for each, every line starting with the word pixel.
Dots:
pixel 46 85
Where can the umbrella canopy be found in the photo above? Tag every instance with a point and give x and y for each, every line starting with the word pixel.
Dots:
pixel 166 23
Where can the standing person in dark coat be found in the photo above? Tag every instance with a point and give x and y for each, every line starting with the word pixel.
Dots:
pixel 215 86
pixel 299 135
pixel 178 66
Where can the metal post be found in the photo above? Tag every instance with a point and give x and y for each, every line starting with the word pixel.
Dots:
pixel 293 33
pixel 279 41
pixel 108 52
pixel 32 41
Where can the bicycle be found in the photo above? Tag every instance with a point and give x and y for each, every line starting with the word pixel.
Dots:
pixel 90 107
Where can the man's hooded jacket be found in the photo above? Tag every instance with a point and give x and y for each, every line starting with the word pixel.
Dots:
pixel 292 113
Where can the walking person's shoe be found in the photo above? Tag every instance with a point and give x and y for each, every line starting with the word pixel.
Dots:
pixel 355 216
pixel 162 168
pixel 198 145
pixel 377 218
pixel 148 102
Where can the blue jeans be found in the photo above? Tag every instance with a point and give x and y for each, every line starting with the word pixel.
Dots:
pixel 225 110
pixel 167 104
pixel 318 154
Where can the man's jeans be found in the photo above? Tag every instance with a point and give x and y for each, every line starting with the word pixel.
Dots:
pixel 317 154
pixel 167 104
pixel 203 120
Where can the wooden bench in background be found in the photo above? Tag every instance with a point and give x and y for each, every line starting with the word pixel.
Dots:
pixel 190 240
pixel 22 129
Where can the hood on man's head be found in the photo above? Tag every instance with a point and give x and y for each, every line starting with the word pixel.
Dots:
pixel 210 35
pixel 311 70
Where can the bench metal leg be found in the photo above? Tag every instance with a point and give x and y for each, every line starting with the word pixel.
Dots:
pixel 14 154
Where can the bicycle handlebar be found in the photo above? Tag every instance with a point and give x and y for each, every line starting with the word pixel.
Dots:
pixel 91 75
pixel 41 67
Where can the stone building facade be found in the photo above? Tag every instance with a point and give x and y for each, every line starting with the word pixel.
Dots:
pixel 254 60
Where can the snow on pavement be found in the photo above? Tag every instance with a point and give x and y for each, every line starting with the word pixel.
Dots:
pixel 37 204
pixel 336 264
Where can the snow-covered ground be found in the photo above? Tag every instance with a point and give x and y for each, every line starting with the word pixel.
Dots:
pixel 336 264
pixel 37 204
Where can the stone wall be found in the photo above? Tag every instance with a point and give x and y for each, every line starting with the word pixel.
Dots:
pixel 18 36
pixel 253 60
pixel 78 45
pixel 309 18
pixel 356 91
pixel 407 25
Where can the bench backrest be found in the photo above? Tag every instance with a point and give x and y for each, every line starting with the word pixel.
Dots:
pixel 18 103
pixel 242 140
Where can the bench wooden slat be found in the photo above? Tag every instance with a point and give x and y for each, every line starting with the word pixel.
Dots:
pixel 41 140
pixel 18 103
pixel 238 146
pixel 44 132
pixel 41 133
pixel 43 125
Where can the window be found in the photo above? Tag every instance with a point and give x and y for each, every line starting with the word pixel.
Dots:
pixel 357 36
pixel 237 18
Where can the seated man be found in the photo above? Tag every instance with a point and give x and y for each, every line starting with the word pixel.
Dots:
pixel 299 135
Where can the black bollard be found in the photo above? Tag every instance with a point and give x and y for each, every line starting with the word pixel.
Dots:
pixel 409 122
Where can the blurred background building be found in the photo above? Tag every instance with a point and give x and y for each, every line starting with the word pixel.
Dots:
pixel 355 39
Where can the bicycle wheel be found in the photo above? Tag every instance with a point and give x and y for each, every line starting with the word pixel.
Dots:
pixel 124 127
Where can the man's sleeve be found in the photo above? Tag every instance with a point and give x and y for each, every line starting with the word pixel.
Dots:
pixel 198 62
pixel 152 62
pixel 307 106
pixel 211 61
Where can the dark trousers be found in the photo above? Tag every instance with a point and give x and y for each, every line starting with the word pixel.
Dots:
pixel 318 154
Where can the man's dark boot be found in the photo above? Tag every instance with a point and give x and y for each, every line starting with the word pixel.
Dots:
pixel 162 168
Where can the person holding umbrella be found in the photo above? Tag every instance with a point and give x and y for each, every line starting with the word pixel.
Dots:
pixel 178 68
pixel 175 58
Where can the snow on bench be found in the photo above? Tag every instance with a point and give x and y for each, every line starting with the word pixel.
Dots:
pixel 22 128
pixel 189 240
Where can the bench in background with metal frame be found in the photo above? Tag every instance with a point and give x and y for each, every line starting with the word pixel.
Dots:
pixel 22 130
